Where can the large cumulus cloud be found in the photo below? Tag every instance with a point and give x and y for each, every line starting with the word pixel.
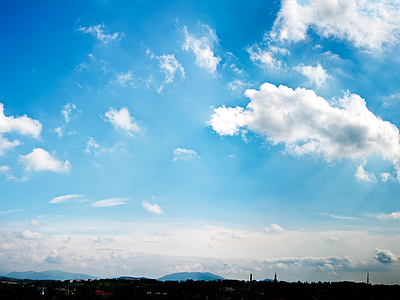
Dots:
pixel 308 124
pixel 366 24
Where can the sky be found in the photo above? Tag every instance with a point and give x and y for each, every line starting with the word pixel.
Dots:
pixel 144 138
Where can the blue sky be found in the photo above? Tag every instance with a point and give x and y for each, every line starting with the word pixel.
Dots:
pixel 150 137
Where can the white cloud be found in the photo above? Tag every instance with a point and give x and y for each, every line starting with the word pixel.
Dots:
pixel 237 85
pixel 41 160
pixel 391 100
pixel 6 170
pixel 203 48
pixel 59 132
pixel 148 51
pixel 65 198
pixel 393 216
pixel 169 65
pixel 184 154
pixel 91 144
pixel 264 57
pixel 109 202
pixel 227 121
pixel 273 228
pixel 236 69
pixel 386 176
pixel 331 55
pixel 6 145
pixel 153 208
pixel 103 240
pixel 27 234
pixel 62 256
pixel 22 125
pixel 290 256
pixel 98 32
pixel 308 124
pixel 36 223
pixel 125 79
pixel 366 24
pixel 338 217
pixel 122 120
pixel 9 211
pixel 316 75
pixel 384 256
pixel 362 175
pixel 66 111
pixel 81 67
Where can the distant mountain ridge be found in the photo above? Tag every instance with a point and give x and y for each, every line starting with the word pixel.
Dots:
pixel 52 275
pixel 182 276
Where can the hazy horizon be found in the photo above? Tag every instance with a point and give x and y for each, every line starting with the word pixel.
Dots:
pixel 230 137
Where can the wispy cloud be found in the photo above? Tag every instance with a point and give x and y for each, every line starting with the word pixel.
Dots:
pixel 169 65
pixel 184 155
pixel 65 198
pixel 67 111
pixel 6 170
pixel 59 131
pixel 125 79
pixel 98 32
pixel 109 202
pixel 316 75
pixel 362 175
pixel 203 48
pixel 338 217
pixel 9 211
pixel 237 85
pixel 264 57
pixel 93 146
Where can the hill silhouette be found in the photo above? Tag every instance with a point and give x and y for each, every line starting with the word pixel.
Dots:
pixel 53 275
pixel 182 276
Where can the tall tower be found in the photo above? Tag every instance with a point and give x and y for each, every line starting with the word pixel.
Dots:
pixel 275 279
pixel 367 278
pixel 251 277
